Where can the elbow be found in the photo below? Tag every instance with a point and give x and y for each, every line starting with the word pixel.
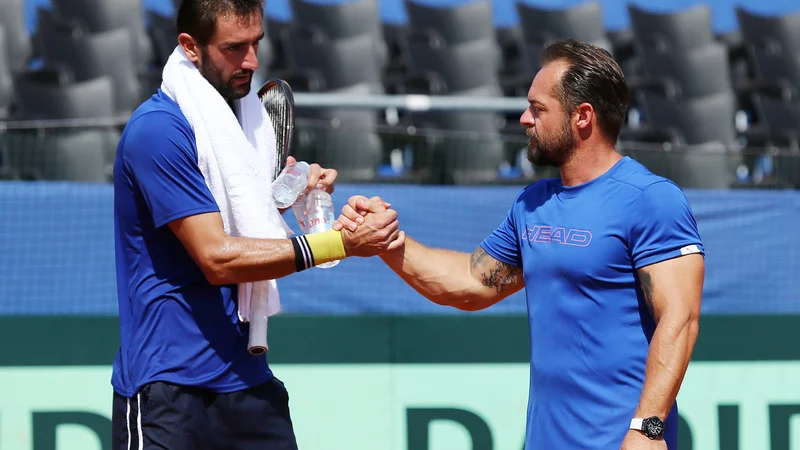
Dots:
pixel 214 272
pixel 471 304
pixel 215 275
pixel 214 263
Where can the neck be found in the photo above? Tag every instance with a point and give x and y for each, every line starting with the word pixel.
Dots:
pixel 586 164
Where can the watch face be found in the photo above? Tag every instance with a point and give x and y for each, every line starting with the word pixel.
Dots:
pixel 653 427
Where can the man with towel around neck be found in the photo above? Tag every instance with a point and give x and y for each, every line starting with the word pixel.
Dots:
pixel 185 170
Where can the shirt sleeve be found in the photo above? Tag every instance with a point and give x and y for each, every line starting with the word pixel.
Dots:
pixel 503 243
pixel 663 226
pixel 160 156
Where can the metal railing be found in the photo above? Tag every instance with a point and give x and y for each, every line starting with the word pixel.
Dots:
pixel 394 147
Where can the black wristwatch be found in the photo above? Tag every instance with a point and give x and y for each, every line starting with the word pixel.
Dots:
pixel 652 427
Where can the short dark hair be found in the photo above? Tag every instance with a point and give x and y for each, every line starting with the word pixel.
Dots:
pixel 593 77
pixel 198 18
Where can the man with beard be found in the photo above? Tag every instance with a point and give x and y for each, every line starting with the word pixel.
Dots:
pixel 610 259
pixel 183 377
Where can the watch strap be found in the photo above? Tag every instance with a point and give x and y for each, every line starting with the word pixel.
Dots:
pixel 636 423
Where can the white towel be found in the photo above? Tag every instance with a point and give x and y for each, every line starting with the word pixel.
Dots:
pixel 237 161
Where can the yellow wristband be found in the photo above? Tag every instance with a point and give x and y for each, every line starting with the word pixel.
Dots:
pixel 326 246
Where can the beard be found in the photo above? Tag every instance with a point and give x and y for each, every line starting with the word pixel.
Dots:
pixel 224 85
pixel 552 151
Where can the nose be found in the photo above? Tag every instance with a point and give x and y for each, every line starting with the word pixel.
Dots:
pixel 526 120
pixel 251 59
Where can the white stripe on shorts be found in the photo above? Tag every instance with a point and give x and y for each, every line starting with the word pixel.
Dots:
pixel 139 419
pixel 128 422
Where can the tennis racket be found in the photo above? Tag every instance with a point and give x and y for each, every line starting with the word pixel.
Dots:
pixel 278 101
pixel 277 97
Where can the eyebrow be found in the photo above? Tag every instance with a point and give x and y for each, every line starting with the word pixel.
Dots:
pixel 533 101
pixel 235 43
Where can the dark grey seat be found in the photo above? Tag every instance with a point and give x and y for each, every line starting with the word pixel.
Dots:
pixel 692 73
pixel 453 68
pixel 776 71
pixel 165 36
pixel 19 46
pixel 693 121
pixel 780 120
pixel 671 32
pixel 88 56
pixel 708 166
pixel 79 154
pixel 704 151
pixel 342 20
pixel 461 147
pixel 105 15
pixel 6 82
pixel 66 152
pixel 770 31
pixel 342 138
pixel 583 22
pixel 453 24
pixel 331 63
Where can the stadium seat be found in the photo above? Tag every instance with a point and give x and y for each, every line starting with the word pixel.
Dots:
pixel 671 32
pixel 40 98
pixel 692 73
pixel 329 64
pixel 454 24
pixel 62 153
pixel 342 20
pixel 780 120
pixel 693 121
pixel 88 56
pixel 343 138
pixel 6 82
pixel 447 68
pixel 164 34
pixel 106 15
pixel 583 22
pixel 775 32
pixel 707 166
pixel 19 47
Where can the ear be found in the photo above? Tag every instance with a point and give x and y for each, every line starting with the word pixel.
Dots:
pixel 584 114
pixel 190 47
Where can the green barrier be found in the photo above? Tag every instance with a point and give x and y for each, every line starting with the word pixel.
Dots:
pixel 402 383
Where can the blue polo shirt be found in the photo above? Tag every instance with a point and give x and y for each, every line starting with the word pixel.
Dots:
pixel 174 325
pixel 579 248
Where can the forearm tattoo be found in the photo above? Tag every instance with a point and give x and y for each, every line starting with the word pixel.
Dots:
pixel 493 273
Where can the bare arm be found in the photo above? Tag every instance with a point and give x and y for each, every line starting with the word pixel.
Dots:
pixel 228 260
pixel 672 291
pixel 467 282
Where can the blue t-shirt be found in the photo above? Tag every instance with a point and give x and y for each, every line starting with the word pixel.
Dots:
pixel 579 248
pixel 174 325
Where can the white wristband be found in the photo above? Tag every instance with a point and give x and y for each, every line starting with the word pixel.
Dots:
pixel 636 424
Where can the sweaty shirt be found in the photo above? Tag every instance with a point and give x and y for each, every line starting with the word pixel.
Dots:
pixel 579 248
pixel 174 325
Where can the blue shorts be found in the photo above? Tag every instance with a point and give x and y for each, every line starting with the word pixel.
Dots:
pixel 169 416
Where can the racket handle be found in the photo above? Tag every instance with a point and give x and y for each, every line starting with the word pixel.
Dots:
pixel 257 343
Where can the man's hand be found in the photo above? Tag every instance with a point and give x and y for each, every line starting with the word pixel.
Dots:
pixel 636 440
pixel 378 231
pixel 354 211
pixel 317 176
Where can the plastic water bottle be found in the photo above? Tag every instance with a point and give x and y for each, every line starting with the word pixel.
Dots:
pixel 319 216
pixel 290 184
pixel 299 209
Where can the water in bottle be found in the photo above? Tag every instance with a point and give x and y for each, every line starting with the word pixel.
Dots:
pixel 319 216
pixel 290 184
pixel 300 213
